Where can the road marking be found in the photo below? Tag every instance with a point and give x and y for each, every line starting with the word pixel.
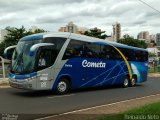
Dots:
pixel 60 96
pixel 96 107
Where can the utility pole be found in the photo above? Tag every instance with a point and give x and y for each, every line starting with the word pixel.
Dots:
pixel 3 66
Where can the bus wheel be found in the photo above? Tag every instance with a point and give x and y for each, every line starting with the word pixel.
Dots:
pixel 132 82
pixel 63 86
pixel 125 82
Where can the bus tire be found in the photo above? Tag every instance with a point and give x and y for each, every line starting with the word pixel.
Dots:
pixel 125 82
pixel 63 86
pixel 132 82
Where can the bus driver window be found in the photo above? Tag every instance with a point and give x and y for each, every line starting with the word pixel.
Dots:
pixel 42 61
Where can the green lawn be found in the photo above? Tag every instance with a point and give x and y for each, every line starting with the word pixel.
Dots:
pixel 153 70
pixel 146 112
pixel 7 71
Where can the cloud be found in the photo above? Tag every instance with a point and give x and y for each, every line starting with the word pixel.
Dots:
pixel 52 14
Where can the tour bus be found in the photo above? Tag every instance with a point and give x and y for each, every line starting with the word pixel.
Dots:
pixel 63 61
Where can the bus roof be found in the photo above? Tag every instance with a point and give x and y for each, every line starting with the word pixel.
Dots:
pixel 78 37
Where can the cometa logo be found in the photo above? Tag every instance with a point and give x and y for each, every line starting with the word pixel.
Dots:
pixel 85 63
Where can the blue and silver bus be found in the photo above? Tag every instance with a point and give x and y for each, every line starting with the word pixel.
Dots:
pixel 65 61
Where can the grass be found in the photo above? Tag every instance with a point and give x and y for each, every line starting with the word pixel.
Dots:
pixel 6 72
pixel 153 70
pixel 146 111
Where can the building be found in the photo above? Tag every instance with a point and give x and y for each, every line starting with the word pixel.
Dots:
pixel 143 35
pixel 154 51
pixel 158 39
pixel 116 31
pixel 62 29
pixel 150 45
pixel 152 38
pixel 72 28
pixel 81 30
pixel 3 32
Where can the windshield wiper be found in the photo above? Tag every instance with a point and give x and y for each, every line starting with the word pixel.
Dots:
pixel 18 60
pixel 22 63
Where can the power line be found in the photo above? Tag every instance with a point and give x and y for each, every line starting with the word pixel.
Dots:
pixel 149 6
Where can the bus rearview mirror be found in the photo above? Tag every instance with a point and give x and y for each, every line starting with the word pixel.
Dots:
pixel 35 47
pixel 8 52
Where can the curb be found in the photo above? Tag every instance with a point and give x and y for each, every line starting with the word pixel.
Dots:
pixel 154 75
pixel 4 83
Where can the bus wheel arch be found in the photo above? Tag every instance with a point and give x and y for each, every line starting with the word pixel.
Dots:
pixel 133 81
pixel 63 85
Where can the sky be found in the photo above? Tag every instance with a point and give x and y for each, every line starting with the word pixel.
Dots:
pixel 50 15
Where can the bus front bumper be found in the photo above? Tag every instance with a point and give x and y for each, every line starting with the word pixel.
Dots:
pixel 22 84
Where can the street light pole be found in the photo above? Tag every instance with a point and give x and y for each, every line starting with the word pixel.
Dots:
pixel 3 66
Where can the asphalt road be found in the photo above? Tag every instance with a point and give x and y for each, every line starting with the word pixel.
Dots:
pixel 44 103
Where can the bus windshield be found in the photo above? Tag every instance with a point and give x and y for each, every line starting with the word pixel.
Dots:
pixel 22 62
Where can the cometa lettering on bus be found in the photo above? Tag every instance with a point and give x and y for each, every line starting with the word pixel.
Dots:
pixel 85 63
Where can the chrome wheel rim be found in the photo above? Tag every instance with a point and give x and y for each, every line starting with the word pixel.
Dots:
pixel 125 82
pixel 133 81
pixel 62 86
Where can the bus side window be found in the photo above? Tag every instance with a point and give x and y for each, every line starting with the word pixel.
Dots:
pixel 146 56
pixel 92 50
pixel 46 58
pixel 68 53
pixel 127 53
pixel 74 49
pixel 105 52
pixel 115 55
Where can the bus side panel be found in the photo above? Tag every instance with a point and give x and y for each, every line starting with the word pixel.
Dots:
pixel 82 76
pixel 140 69
pixel 97 76
pixel 112 74
pixel 71 69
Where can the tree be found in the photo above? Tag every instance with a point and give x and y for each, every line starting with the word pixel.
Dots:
pixel 2 47
pixel 14 35
pixel 152 54
pixel 154 43
pixel 133 42
pixel 39 31
pixel 12 38
pixel 96 33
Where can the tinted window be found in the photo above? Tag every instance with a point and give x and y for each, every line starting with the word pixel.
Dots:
pixel 92 50
pixel 58 42
pixel 75 49
pixel 45 58
pixel 109 52
pixel 135 55
pixel 82 49
pixel 105 52
pixel 145 56
pixel 128 53
pixel 141 56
